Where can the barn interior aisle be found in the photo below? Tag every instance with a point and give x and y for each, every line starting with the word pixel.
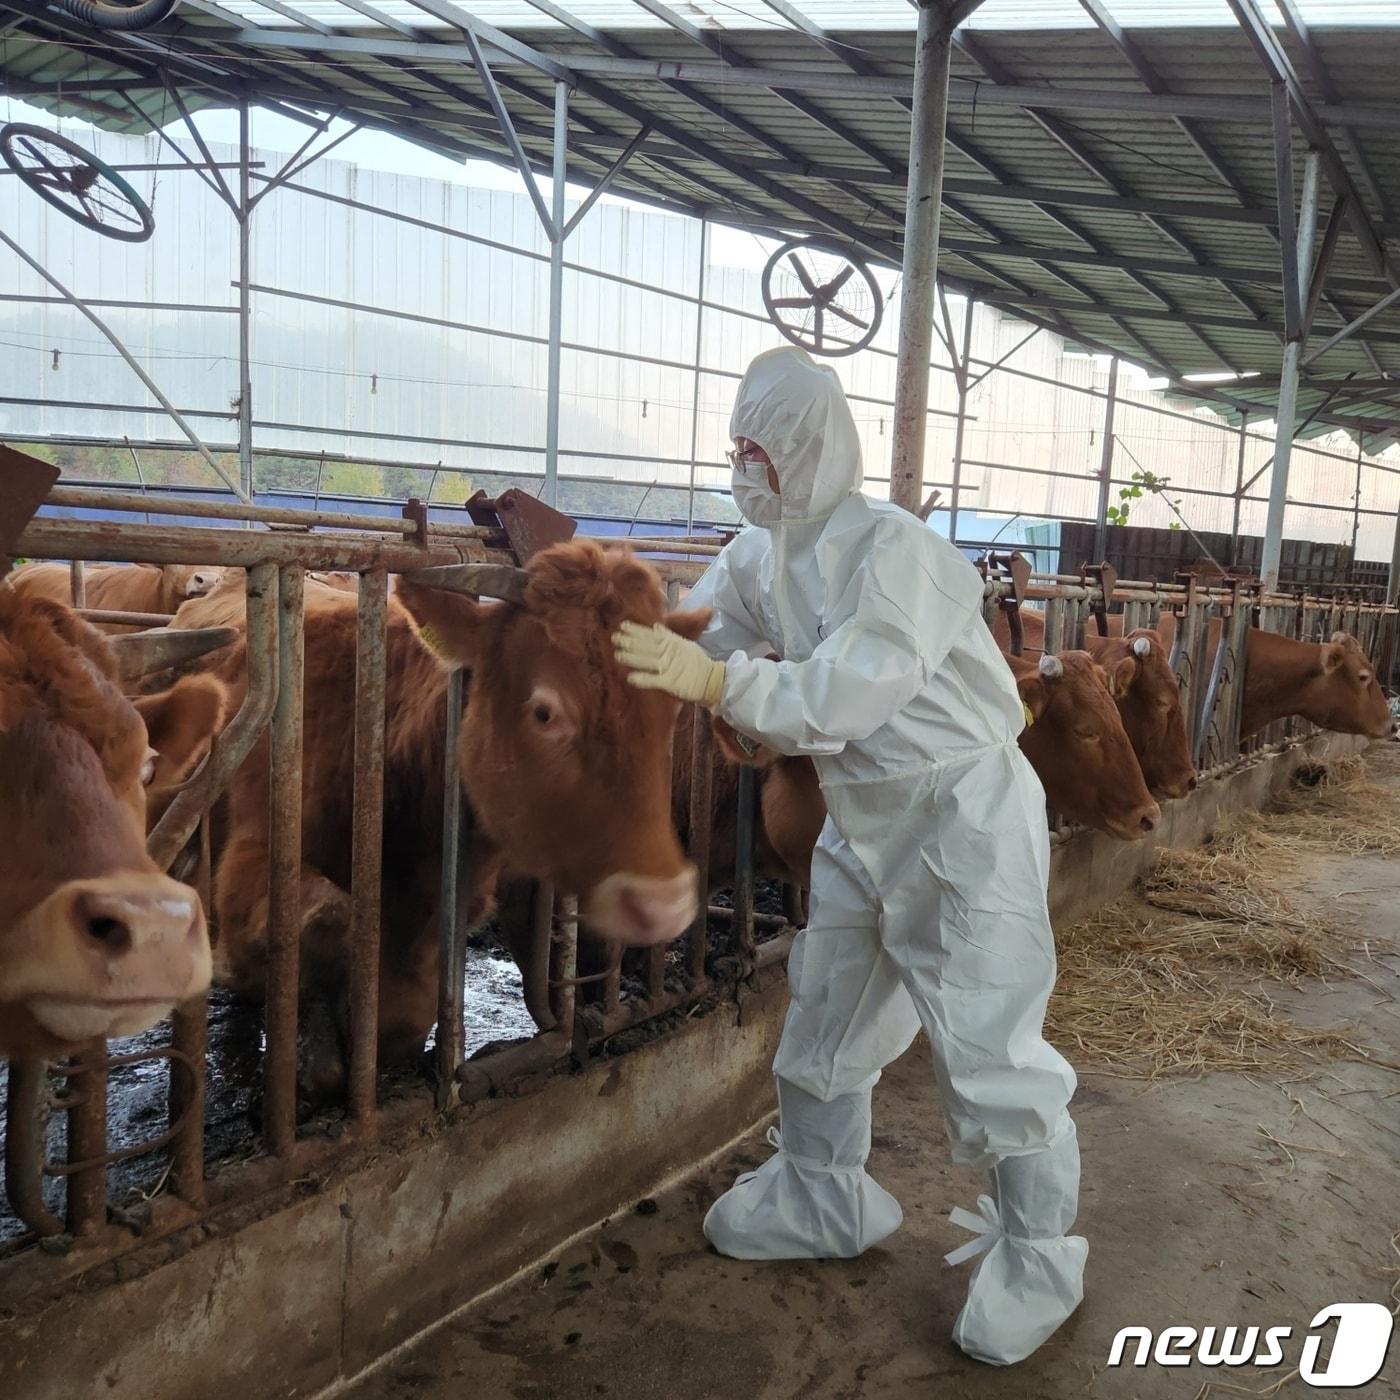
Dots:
pixel 1189 1175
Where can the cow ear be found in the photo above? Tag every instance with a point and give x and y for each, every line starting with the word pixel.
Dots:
pixel 689 624
pixel 448 624
pixel 1122 676
pixel 181 724
pixel 1334 654
pixel 738 748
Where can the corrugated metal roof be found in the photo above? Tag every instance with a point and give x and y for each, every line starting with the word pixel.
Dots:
pixel 1142 227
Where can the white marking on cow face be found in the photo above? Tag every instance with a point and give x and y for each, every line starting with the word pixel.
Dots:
pixel 1051 668
pixel 1142 647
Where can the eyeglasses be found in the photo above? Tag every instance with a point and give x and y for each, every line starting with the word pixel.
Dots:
pixel 748 460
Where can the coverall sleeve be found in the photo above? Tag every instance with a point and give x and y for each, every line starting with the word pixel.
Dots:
pixel 902 617
pixel 733 628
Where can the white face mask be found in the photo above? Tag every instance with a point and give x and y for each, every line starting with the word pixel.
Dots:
pixel 757 502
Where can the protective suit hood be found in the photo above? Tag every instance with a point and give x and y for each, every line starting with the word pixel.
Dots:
pixel 796 411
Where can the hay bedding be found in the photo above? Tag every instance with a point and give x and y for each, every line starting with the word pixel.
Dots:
pixel 1172 979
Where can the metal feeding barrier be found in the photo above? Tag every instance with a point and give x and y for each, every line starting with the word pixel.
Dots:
pixel 576 1012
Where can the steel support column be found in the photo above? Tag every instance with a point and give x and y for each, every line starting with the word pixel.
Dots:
pixel 695 384
pixel 1392 585
pixel 1239 490
pixel 245 378
pixel 964 372
pixel 1297 265
pixel 928 125
pixel 550 494
pixel 1106 463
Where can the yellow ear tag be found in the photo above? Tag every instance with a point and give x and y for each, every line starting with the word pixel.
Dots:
pixel 433 642
pixel 749 746
pixel 1026 710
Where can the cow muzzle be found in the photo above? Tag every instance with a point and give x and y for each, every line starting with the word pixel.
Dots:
pixel 641 910
pixel 110 957
pixel 1138 824
pixel 203 581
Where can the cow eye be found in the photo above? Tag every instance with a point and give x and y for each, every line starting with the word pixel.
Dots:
pixel 1365 678
pixel 148 768
pixel 543 714
pixel 1089 736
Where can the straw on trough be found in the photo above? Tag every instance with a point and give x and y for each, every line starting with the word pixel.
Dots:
pixel 1167 980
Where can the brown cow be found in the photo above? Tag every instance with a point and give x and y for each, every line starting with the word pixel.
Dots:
pixel 148 588
pixel 1078 747
pixel 94 939
pixel 563 764
pixel 1330 684
pixel 1149 699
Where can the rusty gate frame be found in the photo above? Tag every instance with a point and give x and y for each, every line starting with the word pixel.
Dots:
pixel 277 558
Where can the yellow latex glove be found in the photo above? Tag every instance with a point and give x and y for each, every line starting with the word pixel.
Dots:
pixel 658 659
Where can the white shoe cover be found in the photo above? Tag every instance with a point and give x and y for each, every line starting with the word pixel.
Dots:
pixel 813 1199
pixel 1030 1276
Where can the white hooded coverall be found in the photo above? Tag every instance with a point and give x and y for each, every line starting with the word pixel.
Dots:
pixel 928 899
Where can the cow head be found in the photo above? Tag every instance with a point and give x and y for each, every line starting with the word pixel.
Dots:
pixel 1077 745
pixel 1342 691
pixel 567 767
pixel 1149 704
pixel 201 580
pixel 94 939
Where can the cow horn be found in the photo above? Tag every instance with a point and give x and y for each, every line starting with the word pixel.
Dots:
pixel 140 653
pixel 502 581
pixel 1142 647
pixel 1051 667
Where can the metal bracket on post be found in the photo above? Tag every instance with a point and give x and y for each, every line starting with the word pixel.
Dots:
pixel 1106 576
pixel 417 512
pixel 24 482
pixel 1015 569
pixel 528 523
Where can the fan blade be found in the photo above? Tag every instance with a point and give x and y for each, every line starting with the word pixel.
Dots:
pixel 848 316
pixel 792 301
pixel 839 280
pixel 817 329
pixel 802 274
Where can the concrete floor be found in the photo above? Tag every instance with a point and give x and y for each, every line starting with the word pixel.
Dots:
pixel 1193 1215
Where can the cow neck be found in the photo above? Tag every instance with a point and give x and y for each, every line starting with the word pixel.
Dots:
pixel 1276 668
pixel 415 739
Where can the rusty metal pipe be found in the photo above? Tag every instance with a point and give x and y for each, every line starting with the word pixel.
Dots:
pixel 744 824
pixel 76 583
pixel 233 745
pixel 701 820
pixel 189 1040
pixel 81 496
pixel 284 868
pixel 451 969
pixel 367 846
pixel 126 619
pixel 563 963
pixel 718 911
pixel 479 1079
pixel 538 983
pixel 87 1141
pixel 26 1115
pixel 181 544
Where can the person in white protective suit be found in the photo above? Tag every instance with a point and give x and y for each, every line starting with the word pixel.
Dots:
pixel 928 898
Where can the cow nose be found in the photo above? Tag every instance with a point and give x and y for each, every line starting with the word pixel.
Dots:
pixel 1149 819
pixel 1192 783
pixel 115 919
pixel 641 910
pixel 201 581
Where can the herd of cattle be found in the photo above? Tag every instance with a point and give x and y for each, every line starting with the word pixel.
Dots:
pixel 569 774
